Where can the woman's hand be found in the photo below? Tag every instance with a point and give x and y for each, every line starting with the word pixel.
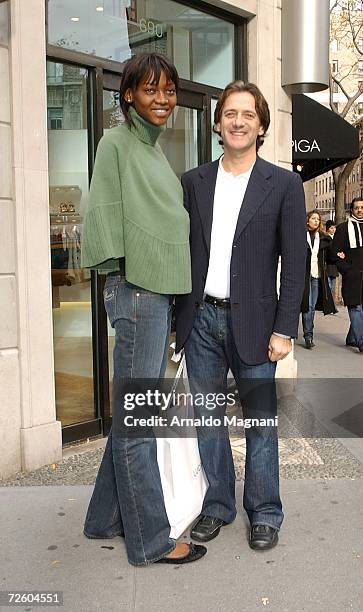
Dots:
pixel 341 255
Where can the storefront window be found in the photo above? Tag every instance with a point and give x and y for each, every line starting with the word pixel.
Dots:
pixel 68 193
pixel 201 45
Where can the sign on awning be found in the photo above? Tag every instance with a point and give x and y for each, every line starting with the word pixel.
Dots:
pixel 321 139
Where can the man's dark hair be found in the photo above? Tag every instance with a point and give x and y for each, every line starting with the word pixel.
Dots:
pixel 330 223
pixel 144 67
pixel 356 199
pixel 262 108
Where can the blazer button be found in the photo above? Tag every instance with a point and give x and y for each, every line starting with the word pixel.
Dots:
pixel 234 275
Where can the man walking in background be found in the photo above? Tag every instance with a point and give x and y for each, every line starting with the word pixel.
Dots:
pixel 347 250
pixel 244 214
pixel 331 269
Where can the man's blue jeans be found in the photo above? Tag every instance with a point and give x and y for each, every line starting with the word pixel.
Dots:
pixel 308 317
pixel 127 498
pixel 355 333
pixel 210 352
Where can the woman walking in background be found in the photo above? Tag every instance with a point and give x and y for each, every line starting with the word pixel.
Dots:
pixel 317 294
pixel 137 230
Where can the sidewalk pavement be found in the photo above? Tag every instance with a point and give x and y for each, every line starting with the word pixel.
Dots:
pixel 316 567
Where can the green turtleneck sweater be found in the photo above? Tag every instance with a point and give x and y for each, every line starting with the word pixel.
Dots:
pixel 136 211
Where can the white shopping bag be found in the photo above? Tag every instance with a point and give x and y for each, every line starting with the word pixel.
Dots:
pixel 181 472
pixel 183 481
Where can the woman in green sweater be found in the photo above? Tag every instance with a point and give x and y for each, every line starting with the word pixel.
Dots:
pixel 137 231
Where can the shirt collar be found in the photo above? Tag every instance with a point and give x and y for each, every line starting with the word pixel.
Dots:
pixel 243 176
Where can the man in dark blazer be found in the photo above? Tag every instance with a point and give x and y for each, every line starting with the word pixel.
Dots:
pixel 347 250
pixel 244 213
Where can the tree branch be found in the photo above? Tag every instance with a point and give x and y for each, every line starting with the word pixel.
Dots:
pixel 339 83
pixel 333 105
pixel 351 101
pixel 355 34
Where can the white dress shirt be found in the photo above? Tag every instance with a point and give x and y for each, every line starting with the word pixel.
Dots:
pixel 228 197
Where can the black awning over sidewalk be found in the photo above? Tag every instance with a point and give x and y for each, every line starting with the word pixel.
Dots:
pixel 321 140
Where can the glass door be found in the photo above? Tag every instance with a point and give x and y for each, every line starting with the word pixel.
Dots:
pixel 68 147
pixel 182 143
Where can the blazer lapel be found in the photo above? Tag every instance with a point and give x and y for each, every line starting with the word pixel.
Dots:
pixel 258 188
pixel 204 193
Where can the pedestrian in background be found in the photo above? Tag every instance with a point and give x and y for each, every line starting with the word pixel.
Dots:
pixel 347 249
pixel 317 294
pixel 332 270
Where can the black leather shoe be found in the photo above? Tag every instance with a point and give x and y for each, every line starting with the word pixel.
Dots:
pixel 207 528
pixel 196 551
pixel 354 344
pixel 360 348
pixel 309 344
pixel 263 537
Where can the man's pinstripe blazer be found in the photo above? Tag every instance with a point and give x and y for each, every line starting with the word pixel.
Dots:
pixel 271 223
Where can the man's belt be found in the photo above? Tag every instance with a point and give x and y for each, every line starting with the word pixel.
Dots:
pixel 218 302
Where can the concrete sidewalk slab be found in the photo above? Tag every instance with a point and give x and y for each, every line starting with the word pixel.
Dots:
pixel 317 566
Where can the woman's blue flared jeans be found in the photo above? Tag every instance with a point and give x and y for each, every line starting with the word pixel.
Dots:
pixel 127 499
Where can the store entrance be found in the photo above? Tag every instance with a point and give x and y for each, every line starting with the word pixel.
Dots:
pixel 83 102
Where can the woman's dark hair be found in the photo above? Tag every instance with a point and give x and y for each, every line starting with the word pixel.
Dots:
pixel 262 108
pixel 144 67
pixel 330 223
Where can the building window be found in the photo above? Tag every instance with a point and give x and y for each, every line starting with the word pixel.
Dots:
pixel 201 46
pixel 54 73
pixel 334 45
pixel 334 66
pixel 55 118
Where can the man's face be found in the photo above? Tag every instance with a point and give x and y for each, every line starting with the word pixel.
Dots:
pixel 239 124
pixel 358 209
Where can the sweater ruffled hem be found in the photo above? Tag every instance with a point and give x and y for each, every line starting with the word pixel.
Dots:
pixel 156 265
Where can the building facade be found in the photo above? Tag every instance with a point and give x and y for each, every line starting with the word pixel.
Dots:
pixel 60 66
pixel 346 63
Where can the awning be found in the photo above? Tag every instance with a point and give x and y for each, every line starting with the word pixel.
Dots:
pixel 321 140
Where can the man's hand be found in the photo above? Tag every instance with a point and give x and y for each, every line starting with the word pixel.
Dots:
pixel 278 348
pixel 341 254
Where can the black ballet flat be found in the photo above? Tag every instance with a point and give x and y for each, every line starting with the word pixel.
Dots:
pixel 196 551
